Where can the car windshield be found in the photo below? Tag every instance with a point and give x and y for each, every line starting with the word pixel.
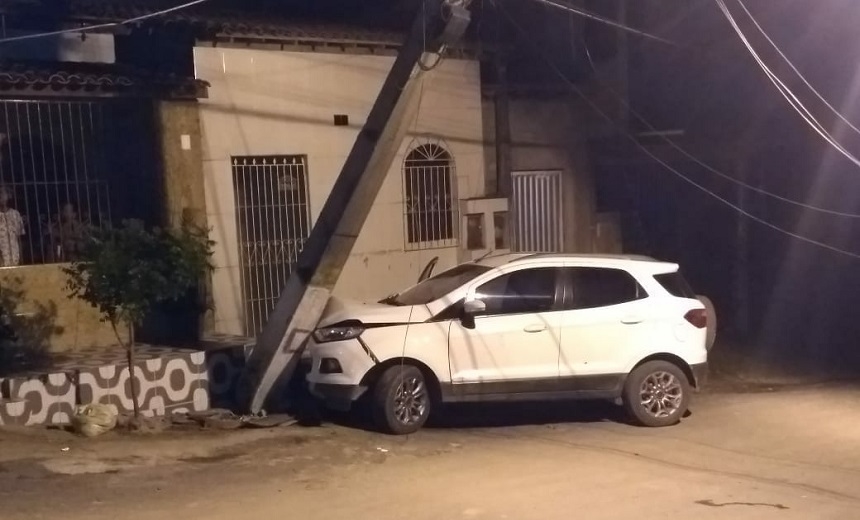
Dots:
pixel 438 286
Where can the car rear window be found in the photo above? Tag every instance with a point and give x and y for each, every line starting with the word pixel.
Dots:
pixel 675 284
pixel 602 287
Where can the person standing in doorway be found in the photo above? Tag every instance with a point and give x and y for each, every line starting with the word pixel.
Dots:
pixel 11 230
pixel 67 235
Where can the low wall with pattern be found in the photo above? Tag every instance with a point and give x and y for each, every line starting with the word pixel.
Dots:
pixel 169 380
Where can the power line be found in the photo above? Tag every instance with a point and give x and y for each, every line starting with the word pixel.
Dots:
pixel 783 89
pixel 103 25
pixel 601 19
pixel 794 68
pixel 657 159
pixel 730 178
pixel 746 185
pixel 717 172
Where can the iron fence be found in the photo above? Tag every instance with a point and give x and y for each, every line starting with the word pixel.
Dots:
pixel 65 165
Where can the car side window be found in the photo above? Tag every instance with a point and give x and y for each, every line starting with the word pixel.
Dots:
pixel 523 291
pixel 601 287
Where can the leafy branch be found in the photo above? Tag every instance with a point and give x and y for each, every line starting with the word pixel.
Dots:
pixel 125 272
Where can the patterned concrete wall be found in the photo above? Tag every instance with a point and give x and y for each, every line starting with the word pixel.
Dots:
pixel 169 380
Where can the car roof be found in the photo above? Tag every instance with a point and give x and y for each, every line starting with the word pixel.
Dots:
pixel 586 259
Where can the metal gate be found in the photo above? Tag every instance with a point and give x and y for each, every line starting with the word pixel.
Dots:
pixel 536 203
pixel 273 222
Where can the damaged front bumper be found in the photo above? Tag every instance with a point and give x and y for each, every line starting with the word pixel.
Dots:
pixel 337 397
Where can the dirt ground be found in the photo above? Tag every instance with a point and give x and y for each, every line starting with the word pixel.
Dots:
pixel 772 451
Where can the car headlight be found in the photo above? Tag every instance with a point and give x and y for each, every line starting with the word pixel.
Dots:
pixel 337 333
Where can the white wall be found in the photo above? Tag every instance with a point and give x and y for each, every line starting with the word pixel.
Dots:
pixel 548 134
pixel 273 102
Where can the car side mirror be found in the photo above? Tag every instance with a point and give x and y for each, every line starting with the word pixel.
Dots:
pixel 471 309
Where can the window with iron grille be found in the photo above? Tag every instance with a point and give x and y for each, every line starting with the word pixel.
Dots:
pixel 67 165
pixel 429 197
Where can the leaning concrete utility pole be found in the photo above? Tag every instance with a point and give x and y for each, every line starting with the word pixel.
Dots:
pixel 279 346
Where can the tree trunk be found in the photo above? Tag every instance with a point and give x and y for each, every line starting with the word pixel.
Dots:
pixel 132 380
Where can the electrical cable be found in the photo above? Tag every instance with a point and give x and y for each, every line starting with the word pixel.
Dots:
pixel 588 54
pixel 794 68
pixel 743 184
pixel 657 159
pixel 711 169
pixel 103 25
pixel 415 122
pixel 778 83
pixel 440 54
pixel 439 58
pixel 601 19
pixel 704 165
pixel 786 92
pixel 723 175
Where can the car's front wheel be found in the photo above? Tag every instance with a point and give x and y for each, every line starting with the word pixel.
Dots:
pixel 656 393
pixel 401 400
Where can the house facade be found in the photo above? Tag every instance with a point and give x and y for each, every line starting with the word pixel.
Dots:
pixel 80 145
pixel 276 130
pixel 249 144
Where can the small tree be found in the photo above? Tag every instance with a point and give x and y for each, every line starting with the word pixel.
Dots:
pixel 124 272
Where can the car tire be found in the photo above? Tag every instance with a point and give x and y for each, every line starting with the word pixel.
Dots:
pixel 656 393
pixel 401 400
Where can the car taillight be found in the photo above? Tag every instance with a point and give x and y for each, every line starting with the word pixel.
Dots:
pixel 697 318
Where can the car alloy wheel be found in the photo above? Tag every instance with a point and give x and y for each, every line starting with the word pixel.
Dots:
pixel 661 394
pixel 410 401
pixel 402 400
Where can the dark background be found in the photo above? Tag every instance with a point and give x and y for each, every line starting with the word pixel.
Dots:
pixel 803 299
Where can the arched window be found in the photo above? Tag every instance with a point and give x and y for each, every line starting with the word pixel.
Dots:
pixel 428 185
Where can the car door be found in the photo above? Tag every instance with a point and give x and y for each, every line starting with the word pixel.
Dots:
pixel 513 345
pixel 606 319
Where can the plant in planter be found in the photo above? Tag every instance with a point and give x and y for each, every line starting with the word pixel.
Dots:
pixel 24 336
pixel 124 272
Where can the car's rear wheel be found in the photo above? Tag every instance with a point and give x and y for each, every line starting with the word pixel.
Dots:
pixel 656 393
pixel 401 400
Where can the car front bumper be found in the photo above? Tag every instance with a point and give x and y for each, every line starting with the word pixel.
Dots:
pixel 337 397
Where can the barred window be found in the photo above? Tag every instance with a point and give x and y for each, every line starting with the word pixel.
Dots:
pixel 428 185
pixel 66 165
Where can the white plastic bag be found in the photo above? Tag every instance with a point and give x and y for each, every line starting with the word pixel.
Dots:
pixel 91 420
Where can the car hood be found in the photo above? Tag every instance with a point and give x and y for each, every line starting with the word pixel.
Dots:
pixel 339 310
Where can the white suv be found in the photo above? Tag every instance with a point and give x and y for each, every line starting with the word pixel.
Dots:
pixel 518 327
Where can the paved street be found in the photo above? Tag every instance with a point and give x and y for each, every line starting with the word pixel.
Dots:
pixel 791 453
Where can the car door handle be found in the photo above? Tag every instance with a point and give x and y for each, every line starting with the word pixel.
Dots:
pixel 535 328
pixel 631 320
